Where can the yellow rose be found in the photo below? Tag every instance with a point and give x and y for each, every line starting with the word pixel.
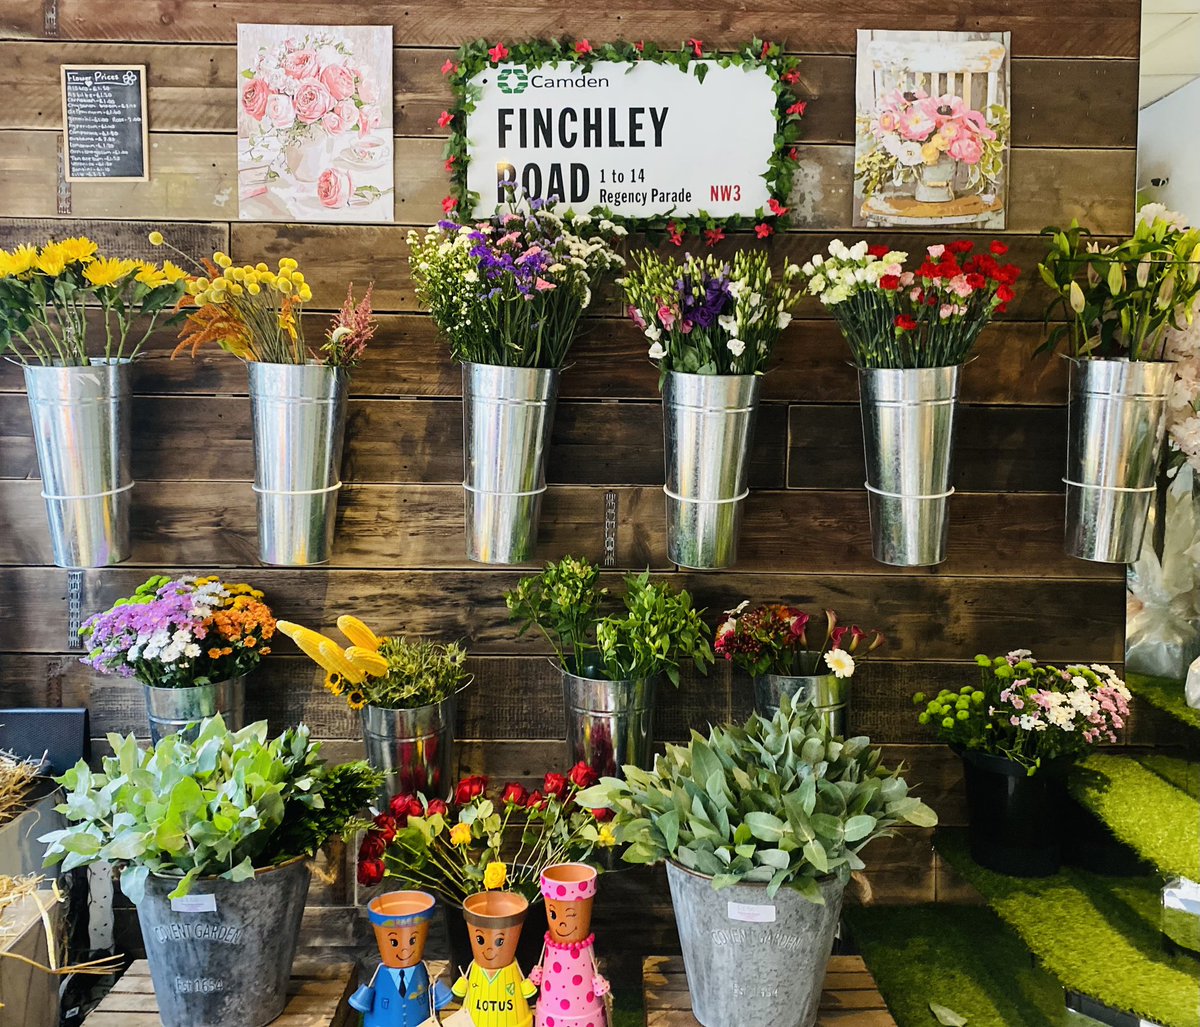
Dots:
pixel 930 153
pixel 606 838
pixel 494 876
pixel 460 834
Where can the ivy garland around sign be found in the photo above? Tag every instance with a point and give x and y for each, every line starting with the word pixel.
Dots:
pixel 472 58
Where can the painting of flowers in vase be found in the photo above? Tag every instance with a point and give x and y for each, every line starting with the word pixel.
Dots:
pixel 932 129
pixel 315 123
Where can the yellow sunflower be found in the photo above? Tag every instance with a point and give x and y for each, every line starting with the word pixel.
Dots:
pixel 335 683
pixel 355 699
pixel 78 249
pixel 108 270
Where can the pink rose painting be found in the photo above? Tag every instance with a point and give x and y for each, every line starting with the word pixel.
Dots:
pixel 315 123
pixel 932 129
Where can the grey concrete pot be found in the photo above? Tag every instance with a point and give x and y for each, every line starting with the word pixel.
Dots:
pixel 751 959
pixel 224 954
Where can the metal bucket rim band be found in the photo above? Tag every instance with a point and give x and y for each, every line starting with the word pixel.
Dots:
pixel 676 405
pixel 943 402
pixel 506 401
pixel 296 492
pixel 92 495
pixel 685 499
pixel 903 495
pixel 1110 488
pixel 490 492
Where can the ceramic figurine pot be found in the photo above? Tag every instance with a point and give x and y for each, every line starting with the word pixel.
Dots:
pixel 572 990
pixel 494 991
pixel 400 993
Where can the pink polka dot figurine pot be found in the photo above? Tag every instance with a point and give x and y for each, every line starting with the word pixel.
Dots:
pixel 572 991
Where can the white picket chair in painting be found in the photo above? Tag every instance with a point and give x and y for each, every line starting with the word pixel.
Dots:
pixel 969 69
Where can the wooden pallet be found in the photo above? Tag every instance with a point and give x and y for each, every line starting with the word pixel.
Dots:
pixel 850 998
pixel 316 998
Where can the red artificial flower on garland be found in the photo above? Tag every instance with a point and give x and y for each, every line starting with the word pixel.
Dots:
pixel 712 236
pixel 763 231
pixel 583 47
pixel 791 77
pixel 444 119
pixel 449 203
pixel 674 234
pixel 449 67
pixel 498 52
pixel 799 107
pixel 697 46
pixel 776 208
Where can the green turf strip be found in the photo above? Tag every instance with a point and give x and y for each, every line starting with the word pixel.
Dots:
pixel 1180 773
pixel 1166 694
pixel 961 957
pixel 1147 813
pixel 1098 935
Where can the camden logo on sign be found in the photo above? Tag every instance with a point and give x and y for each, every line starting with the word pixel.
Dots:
pixel 512 80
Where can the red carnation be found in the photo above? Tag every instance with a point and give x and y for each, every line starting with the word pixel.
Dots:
pixel 469 788
pixel 998 248
pixel 514 794
pixel 776 208
pixel 905 323
pixel 498 52
pixel 602 814
pixel 583 47
pixel 763 231
pixel 555 784
pixel 373 846
pixel 889 282
pixel 975 280
pixel 437 806
pixel 697 46
pixel 878 251
pixel 799 107
pixel 1005 294
pixel 444 119
pixel 370 872
pixel 960 246
pixel 712 236
pixel 583 776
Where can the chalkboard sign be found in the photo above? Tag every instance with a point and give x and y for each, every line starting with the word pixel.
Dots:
pixel 104 122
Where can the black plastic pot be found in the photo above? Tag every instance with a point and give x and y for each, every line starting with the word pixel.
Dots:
pixel 1016 820
pixel 529 947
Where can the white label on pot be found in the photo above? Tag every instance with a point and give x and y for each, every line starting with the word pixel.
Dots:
pixel 751 914
pixel 197 904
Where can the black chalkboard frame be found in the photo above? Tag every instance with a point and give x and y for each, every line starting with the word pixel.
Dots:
pixel 66 170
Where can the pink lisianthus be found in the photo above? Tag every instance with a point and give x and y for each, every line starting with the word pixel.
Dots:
pixel 255 96
pixel 666 317
pixel 635 316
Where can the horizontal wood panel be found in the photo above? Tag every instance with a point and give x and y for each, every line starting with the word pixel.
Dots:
pixel 178 438
pixel 194 177
pixel 1104 28
pixel 194 89
pixel 996 449
pixel 933 617
pixel 421 526
pixel 609 361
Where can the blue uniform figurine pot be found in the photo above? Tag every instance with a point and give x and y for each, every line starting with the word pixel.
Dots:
pixel 400 993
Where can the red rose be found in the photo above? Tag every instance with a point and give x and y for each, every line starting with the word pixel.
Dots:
pixel 555 784
pixel 536 800
pixel 998 248
pixel 583 776
pixel 387 827
pixel 373 846
pixel 370 872
pixel 583 47
pixel 905 323
pixel 399 807
pixel 469 788
pixel 763 231
pixel 514 794
pixel 602 814
pixel 889 282
pixel 776 208
pixel 437 806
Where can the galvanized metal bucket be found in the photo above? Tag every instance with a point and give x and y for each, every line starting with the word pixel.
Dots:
pixel 751 959
pixel 609 723
pixel 827 692
pixel 174 711
pixel 507 416
pixel 81 431
pixel 708 427
pixel 413 748
pixel 1116 420
pixel 299 421
pixel 223 954
pixel 908 438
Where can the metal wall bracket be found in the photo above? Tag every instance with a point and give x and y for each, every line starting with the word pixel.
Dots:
pixel 74 608
pixel 610 529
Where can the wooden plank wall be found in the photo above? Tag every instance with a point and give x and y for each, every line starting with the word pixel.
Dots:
pixel 399 559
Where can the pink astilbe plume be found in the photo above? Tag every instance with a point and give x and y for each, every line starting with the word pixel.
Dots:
pixel 351 329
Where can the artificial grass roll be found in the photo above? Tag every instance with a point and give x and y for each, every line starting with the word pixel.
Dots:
pixel 1166 694
pixel 1098 936
pixel 961 957
pixel 1155 818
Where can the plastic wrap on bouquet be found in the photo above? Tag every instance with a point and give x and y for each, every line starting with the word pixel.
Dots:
pixel 1162 636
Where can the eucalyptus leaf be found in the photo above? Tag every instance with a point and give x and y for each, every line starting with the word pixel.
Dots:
pixel 947 1017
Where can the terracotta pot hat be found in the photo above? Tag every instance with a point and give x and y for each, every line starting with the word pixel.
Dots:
pixel 569 882
pixel 401 922
pixel 495 909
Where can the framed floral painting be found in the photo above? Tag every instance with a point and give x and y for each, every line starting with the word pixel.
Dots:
pixel 315 123
pixel 932 129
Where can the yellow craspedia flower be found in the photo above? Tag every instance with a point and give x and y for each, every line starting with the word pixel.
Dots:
pixel 260 267
pixel 269 277
pixel 287 264
pixel 221 259
pixel 460 834
pixel 298 277
pixel 156 238
pixel 305 293
pixel 283 286
pixel 193 288
pixel 254 288
pixel 235 289
pixel 172 273
pixel 52 260
pixel 78 249
pixel 108 270
pixel 235 273
pixel 494 876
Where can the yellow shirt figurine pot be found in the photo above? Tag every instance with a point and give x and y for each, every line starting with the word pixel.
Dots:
pixel 494 991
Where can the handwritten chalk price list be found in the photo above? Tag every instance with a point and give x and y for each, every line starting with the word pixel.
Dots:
pixel 104 122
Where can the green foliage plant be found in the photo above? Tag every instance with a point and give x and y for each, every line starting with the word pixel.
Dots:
pixel 658 630
pixel 224 805
pixel 779 802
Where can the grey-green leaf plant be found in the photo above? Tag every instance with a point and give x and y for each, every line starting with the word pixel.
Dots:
pixel 779 802
pixel 224 805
